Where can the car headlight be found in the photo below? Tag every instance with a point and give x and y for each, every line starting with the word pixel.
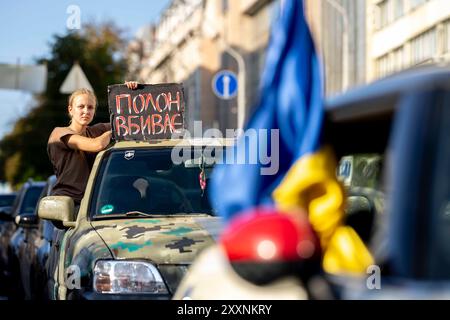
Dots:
pixel 127 277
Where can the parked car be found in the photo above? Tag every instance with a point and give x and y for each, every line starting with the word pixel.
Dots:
pixel 143 219
pixel 22 210
pixel 34 249
pixel 6 202
pixel 404 119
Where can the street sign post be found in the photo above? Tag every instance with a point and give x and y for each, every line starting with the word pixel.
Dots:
pixel 225 84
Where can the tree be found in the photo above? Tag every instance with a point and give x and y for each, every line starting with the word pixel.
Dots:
pixel 99 51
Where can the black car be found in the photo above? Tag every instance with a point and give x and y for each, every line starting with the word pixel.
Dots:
pixel 6 202
pixel 392 138
pixel 34 249
pixel 11 236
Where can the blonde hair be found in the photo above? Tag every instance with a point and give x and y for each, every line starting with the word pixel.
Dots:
pixel 80 92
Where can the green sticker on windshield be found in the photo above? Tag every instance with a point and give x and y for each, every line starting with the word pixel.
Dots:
pixel 108 208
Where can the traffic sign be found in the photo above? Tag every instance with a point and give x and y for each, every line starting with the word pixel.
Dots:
pixel 225 84
pixel 76 79
pixel 23 77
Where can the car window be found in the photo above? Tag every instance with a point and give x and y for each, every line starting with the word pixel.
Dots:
pixel 7 200
pixel 148 181
pixel 30 199
pixel 361 170
pixel 16 202
pixel 361 175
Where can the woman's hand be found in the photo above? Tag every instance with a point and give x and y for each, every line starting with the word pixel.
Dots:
pixel 132 85
pixel 104 139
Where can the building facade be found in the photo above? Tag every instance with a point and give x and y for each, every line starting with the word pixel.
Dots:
pixel 358 40
pixel 340 34
pixel 192 42
pixel 406 33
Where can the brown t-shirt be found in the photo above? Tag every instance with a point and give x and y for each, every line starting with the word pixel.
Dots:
pixel 72 167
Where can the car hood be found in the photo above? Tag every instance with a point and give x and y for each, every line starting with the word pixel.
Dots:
pixel 167 240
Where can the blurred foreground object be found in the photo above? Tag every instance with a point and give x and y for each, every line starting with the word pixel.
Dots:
pixel 23 77
pixel 260 256
pixel 392 141
pixel 292 102
pixel 265 245
pixel 311 184
pixel 212 277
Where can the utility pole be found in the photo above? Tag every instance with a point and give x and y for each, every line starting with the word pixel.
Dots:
pixel 241 95
pixel 241 76
pixel 241 85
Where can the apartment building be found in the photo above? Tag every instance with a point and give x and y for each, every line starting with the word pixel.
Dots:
pixel 359 41
pixel 193 40
pixel 406 33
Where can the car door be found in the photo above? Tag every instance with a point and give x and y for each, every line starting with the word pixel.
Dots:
pixel 413 242
pixel 32 237
pixel 20 271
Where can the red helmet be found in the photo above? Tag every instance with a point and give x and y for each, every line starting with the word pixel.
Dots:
pixel 265 244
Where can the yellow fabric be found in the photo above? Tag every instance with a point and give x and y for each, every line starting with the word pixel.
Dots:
pixel 311 184
pixel 346 253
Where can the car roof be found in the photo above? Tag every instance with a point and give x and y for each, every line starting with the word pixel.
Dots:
pixel 169 143
pixel 31 183
pixel 38 183
pixel 360 120
pixel 381 97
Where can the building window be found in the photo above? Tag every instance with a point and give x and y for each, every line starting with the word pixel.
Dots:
pixel 384 66
pixel 424 47
pixel 399 8
pixel 447 37
pixel 415 3
pixel 383 13
pixel 399 59
pixel 392 62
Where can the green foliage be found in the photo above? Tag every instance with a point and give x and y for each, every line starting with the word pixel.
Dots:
pixel 98 50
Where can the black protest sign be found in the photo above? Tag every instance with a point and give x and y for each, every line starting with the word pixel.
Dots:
pixel 146 113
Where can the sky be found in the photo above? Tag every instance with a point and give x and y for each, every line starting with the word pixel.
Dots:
pixel 27 27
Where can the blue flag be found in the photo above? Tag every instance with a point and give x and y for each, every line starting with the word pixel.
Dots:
pixel 291 101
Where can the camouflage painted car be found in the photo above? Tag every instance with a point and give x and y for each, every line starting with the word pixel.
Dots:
pixel 144 217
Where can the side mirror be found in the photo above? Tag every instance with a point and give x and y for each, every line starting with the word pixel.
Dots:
pixel 5 216
pixel 57 208
pixel 27 221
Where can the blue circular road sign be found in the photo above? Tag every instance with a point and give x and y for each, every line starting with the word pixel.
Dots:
pixel 225 84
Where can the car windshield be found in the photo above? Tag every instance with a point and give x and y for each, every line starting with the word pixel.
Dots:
pixel 31 199
pixel 147 181
pixel 6 200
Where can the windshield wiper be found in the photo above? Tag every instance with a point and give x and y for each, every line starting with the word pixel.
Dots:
pixel 126 215
pixel 140 214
